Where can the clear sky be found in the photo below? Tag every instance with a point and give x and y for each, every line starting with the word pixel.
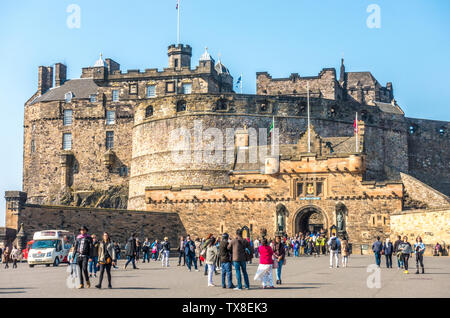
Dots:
pixel 411 47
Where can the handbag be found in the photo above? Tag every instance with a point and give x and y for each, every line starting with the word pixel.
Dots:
pixel 275 263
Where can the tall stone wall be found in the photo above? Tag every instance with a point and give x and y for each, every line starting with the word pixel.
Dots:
pixel 429 152
pixel 419 191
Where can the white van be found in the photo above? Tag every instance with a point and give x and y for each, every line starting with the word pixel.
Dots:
pixel 50 247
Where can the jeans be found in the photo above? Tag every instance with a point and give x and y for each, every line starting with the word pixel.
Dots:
pixel 165 258
pixel 377 258
pixel 335 255
pixel 405 258
pixel 296 252
pixel 155 256
pixel 132 260
pixel 237 267
pixel 190 258
pixel 399 261
pixel 211 268
pixel 388 260
pixel 93 265
pixel 82 262
pixel 181 255
pixel 146 257
pixel 280 267
pixel 228 273
pixel 108 273
pixel 419 260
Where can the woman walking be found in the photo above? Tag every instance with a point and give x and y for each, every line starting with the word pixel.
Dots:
pixel 165 251
pixel 405 250
pixel 106 257
pixel 264 271
pixel 419 249
pixel 210 260
pixel 279 252
pixel 15 253
pixel 345 250
pixel 5 257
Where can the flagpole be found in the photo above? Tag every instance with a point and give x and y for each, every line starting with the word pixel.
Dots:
pixel 309 132
pixel 356 131
pixel 242 79
pixel 178 22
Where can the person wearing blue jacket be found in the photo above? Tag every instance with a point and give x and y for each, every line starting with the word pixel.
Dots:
pixel 388 249
pixel 377 247
pixel 419 249
pixel 189 251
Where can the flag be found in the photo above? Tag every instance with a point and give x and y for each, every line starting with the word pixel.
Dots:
pixel 239 80
pixel 271 126
pixel 178 3
pixel 355 126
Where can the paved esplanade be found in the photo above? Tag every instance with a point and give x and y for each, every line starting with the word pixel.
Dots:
pixel 302 277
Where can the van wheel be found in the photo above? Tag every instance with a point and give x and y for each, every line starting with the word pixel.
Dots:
pixel 31 265
pixel 56 262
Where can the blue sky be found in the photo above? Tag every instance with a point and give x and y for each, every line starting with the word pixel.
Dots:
pixel 410 49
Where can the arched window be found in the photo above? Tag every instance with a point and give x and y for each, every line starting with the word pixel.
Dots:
pixel 181 106
pixel 149 111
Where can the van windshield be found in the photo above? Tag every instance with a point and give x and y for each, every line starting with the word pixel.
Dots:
pixel 44 244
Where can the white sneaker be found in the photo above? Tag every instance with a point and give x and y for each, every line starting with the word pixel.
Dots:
pixel 211 285
pixel 331 266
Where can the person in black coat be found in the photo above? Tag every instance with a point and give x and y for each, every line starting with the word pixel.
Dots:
pixel 388 249
pixel 83 252
pixel 131 250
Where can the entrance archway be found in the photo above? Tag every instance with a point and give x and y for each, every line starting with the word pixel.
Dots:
pixel 310 219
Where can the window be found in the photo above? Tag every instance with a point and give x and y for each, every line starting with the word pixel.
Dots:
pixel 221 104
pixel 67 141
pixel 170 87
pixel 299 189
pixel 149 111
pixel 318 188
pixel 187 88
pixel 181 106
pixel 67 120
pixel 115 95
pixel 123 171
pixel 33 146
pixel 68 97
pixel 151 91
pixel 110 117
pixel 133 89
pixel 176 63
pixel 109 139
pixel 93 98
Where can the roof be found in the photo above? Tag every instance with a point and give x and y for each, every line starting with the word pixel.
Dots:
pixel 80 88
pixel 205 56
pixel 360 79
pixel 221 69
pixel 100 62
pixel 390 108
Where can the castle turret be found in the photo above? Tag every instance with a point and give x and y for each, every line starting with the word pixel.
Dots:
pixel 179 56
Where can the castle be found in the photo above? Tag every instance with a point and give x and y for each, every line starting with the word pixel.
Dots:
pixel 97 148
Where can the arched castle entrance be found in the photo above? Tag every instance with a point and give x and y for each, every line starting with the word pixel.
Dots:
pixel 310 219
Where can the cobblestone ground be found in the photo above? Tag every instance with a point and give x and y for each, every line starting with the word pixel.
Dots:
pixel 302 277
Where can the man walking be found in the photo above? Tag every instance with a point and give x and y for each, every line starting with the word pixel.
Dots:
pixel 94 256
pixel 83 252
pixel 398 253
pixel 334 243
pixel 225 260
pixel 165 250
pixel 377 247
pixel 238 247
pixel 146 250
pixel 131 251
pixel 189 251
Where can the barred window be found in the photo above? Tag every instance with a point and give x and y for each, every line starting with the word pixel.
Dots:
pixel 115 95
pixel 124 171
pixel 67 141
pixel 110 117
pixel 181 106
pixel 187 88
pixel 67 120
pixel 151 91
pixel 149 111
pixel 109 139
pixel 33 146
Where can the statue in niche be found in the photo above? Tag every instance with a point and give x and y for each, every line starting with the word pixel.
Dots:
pixel 281 218
pixel 340 217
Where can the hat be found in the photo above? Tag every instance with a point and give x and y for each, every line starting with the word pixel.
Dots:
pixel 225 236
pixel 84 228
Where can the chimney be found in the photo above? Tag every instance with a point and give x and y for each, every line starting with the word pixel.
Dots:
pixel 45 79
pixel 60 74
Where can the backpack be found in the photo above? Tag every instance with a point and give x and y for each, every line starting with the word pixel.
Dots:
pixel 334 245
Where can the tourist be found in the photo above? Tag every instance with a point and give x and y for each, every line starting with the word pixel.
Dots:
pixel 296 248
pixel 204 245
pixel 437 249
pixel 198 245
pixel 15 254
pixel 130 251
pixel 155 250
pixel 94 258
pixel 345 251
pixel 322 244
pixel 419 250
pixel 106 257
pixel 318 241
pixel 256 245
pixel 83 250
pixel 138 249
pixel 181 253
pixel 334 243
pixel 405 250
pixel 280 254
pixel 210 260
pixel 237 247
pixel 72 259
pixel 117 250
pixel 165 250
pixel 398 252
pixel 225 260
pixel 146 250
pixel 388 249
pixel 310 245
pixel 189 251
pixel 377 247
pixel 302 245
pixel 5 257
pixel 264 271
